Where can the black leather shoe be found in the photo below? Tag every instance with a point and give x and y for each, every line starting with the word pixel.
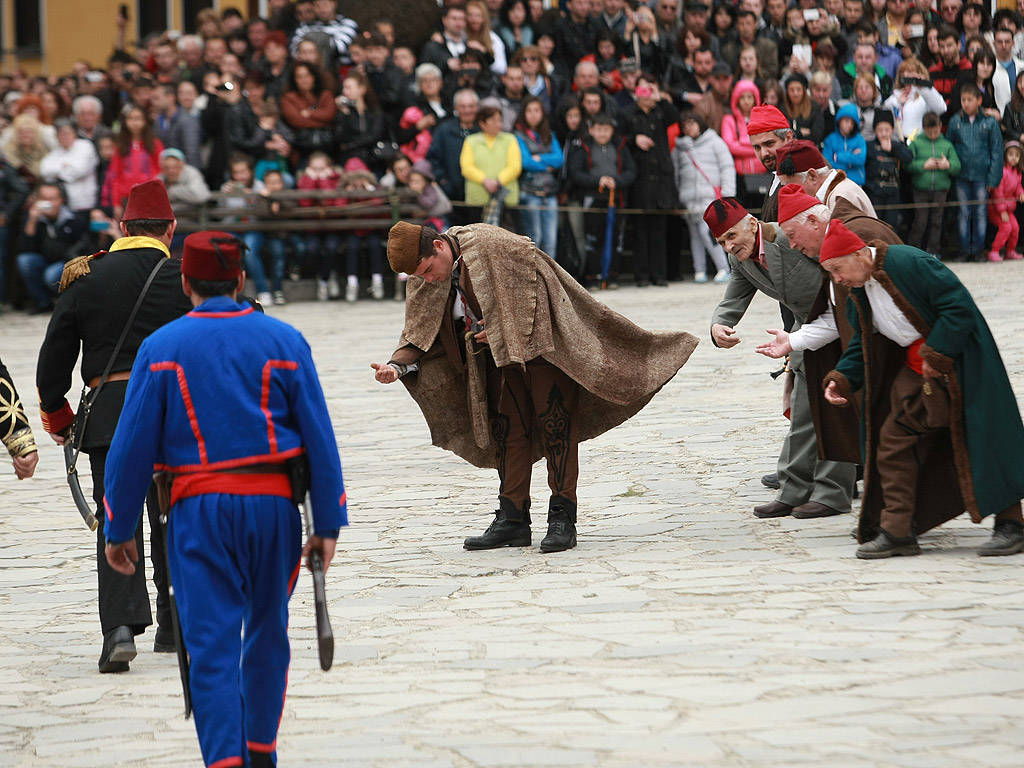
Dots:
pixel 561 526
pixel 261 760
pixel 118 650
pixel 814 509
pixel 771 481
pixel 773 509
pixel 1007 539
pixel 884 545
pixel 164 641
pixel 511 528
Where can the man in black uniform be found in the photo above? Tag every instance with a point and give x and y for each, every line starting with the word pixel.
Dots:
pixel 97 296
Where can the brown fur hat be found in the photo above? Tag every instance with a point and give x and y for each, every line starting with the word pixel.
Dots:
pixel 404 247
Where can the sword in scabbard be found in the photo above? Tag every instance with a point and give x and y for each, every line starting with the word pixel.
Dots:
pixel 162 481
pixel 324 633
pixel 298 473
pixel 72 450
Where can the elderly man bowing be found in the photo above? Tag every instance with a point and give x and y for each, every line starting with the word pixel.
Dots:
pixel 942 429
pixel 809 487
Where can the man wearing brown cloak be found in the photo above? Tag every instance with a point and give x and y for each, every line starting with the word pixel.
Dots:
pixel 510 359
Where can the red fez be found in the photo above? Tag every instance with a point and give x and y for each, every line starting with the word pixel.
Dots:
pixel 766 118
pixel 214 256
pixel 722 214
pixel 793 200
pixel 802 156
pixel 839 242
pixel 148 200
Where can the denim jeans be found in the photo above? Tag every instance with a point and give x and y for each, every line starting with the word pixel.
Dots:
pixel 324 248
pixel 373 249
pixel 971 219
pixel 541 226
pixel 277 245
pixel 41 277
pixel 253 263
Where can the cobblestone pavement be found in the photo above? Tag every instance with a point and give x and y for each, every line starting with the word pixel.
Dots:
pixel 681 630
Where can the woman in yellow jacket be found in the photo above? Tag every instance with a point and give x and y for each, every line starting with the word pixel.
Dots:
pixel 490 161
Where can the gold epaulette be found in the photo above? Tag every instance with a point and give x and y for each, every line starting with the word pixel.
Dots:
pixel 77 267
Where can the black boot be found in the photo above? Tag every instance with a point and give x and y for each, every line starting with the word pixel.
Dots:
pixel 261 760
pixel 884 545
pixel 511 528
pixel 561 525
pixel 118 650
pixel 164 641
pixel 1007 539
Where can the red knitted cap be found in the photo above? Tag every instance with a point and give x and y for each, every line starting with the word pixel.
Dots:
pixel 722 214
pixel 799 156
pixel 839 242
pixel 766 118
pixel 148 200
pixel 793 200
pixel 214 256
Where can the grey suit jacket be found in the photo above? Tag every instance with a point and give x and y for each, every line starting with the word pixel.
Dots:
pixel 792 279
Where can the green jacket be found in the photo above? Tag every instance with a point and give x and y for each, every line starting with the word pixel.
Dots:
pixel 933 178
pixel 986 433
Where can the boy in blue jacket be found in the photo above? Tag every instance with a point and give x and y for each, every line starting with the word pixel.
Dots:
pixel 844 148
pixel 978 142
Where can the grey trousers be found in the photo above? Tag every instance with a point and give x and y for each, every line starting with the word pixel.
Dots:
pixel 802 477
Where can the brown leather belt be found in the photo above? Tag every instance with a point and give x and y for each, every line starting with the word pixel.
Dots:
pixel 115 376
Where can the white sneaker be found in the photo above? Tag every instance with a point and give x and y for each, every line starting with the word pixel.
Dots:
pixel 351 292
pixel 265 298
pixel 322 294
pixel 377 287
pixel 722 276
pixel 333 289
pixel 279 298
pixel 700 277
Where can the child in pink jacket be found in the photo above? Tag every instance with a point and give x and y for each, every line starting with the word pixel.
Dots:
pixel 1003 205
pixel 745 97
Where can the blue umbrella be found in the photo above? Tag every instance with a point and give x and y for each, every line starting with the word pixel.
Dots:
pixel 609 240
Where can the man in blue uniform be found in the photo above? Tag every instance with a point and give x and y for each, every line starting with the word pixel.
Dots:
pixel 234 535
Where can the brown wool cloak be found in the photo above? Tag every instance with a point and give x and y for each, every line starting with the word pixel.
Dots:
pixel 531 309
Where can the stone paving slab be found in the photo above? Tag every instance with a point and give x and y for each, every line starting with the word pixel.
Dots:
pixel 682 631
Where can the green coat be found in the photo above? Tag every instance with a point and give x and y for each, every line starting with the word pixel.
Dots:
pixel 979 466
pixel 924 149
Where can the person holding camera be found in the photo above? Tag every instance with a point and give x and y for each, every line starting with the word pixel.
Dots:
pixel 914 97
pixel 51 233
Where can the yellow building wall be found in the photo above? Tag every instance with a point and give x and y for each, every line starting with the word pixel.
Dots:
pixel 78 29
pixel 84 29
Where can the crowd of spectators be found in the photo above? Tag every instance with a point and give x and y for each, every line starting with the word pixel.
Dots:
pixel 512 111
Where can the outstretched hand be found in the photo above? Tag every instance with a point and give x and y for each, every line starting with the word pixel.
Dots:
pixel 724 336
pixel 385 374
pixel 832 394
pixel 780 347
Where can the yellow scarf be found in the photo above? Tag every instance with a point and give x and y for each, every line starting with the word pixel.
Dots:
pixel 138 241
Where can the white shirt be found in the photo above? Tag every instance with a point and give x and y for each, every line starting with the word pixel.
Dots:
pixel 886 318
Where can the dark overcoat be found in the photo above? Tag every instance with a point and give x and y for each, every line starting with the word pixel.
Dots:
pixel 977 466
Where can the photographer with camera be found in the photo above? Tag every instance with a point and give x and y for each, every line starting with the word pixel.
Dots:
pixel 50 238
pixel 914 97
